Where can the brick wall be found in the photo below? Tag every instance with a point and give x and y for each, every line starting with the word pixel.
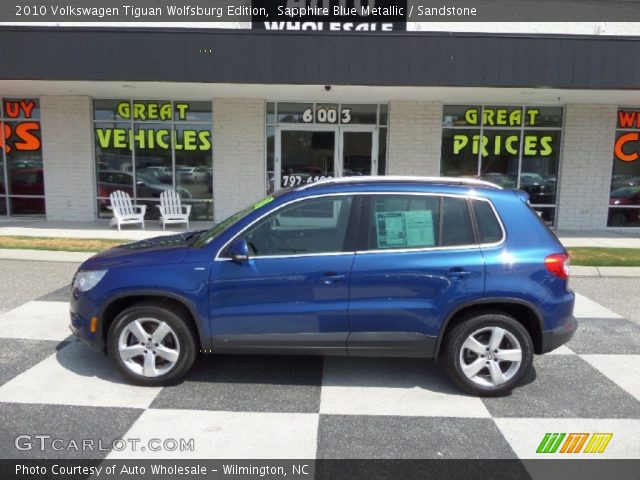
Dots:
pixel 68 161
pixel 585 168
pixel 239 172
pixel 415 137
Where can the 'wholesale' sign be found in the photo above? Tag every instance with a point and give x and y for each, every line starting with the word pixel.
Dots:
pixel 330 16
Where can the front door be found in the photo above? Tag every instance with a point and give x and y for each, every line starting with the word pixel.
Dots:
pixel 308 154
pixel 358 151
pixel 294 289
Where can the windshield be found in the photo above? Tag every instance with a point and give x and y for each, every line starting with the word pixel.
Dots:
pixel 209 235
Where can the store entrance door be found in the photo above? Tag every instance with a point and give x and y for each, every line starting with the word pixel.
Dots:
pixel 306 155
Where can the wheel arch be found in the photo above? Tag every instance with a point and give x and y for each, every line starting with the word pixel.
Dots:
pixel 118 303
pixel 524 312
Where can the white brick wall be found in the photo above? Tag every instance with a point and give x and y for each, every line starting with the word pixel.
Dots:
pixel 239 172
pixel 415 138
pixel 585 169
pixel 67 157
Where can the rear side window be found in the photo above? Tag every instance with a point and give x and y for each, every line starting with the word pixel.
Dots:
pixel 488 225
pixel 418 221
pixel 456 223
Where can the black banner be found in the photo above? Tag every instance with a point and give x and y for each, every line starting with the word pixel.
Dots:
pixel 584 469
pixel 381 15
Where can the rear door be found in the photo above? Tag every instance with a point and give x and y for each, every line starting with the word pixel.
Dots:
pixel 420 259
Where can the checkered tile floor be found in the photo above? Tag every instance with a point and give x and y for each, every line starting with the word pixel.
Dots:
pixel 309 407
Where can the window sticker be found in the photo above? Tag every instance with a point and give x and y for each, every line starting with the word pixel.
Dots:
pixel 412 228
pixel 419 228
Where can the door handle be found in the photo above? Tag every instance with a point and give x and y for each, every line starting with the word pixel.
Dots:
pixel 458 272
pixel 329 278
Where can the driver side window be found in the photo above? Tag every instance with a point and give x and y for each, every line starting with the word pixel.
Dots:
pixel 317 225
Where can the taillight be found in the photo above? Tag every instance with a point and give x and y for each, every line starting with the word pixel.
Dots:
pixel 558 264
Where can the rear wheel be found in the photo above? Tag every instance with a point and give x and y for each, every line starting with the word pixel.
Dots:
pixel 151 344
pixel 488 354
pixel 617 219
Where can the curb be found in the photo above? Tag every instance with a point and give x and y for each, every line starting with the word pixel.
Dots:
pixel 628 272
pixel 44 255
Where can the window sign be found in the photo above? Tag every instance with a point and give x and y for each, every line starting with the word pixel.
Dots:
pixel 145 147
pixel 512 146
pixel 21 133
pixel 624 197
pixel 21 172
pixel 409 229
pixel 325 113
pixel 156 136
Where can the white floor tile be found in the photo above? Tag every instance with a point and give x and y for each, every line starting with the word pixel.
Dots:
pixel 393 387
pixel 622 369
pixel 225 435
pixel 37 321
pixel 76 375
pixel 561 350
pixel 585 308
pixel 525 435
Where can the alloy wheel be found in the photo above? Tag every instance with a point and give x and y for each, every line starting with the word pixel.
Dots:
pixel 148 347
pixel 490 356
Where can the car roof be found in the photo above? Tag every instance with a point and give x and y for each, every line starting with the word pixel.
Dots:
pixel 391 179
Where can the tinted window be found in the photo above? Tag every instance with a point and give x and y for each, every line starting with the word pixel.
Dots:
pixel 488 225
pixel 456 223
pixel 310 226
pixel 404 221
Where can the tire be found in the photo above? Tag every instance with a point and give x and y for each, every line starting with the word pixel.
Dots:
pixel 488 381
pixel 617 219
pixel 156 361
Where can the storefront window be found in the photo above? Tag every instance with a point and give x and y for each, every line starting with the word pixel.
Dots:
pixel 21 173
pixel 624 199
pixel 147 147
pixel 512 146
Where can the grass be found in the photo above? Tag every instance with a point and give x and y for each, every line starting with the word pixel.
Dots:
pixel 605 257
pixel 59 244
pixel 587 256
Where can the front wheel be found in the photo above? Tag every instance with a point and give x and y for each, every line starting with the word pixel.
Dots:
pixel 488 354
pixel 151 344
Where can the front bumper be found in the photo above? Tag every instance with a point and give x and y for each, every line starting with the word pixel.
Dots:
pixel 552 339
pixel 80 315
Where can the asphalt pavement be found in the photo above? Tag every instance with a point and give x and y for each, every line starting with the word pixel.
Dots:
pixel 308 407
pixel 622 295
pixel 22 281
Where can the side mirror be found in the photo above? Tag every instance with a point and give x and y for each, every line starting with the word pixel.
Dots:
pixel 239 250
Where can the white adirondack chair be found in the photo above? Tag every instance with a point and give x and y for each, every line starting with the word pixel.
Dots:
pixel 172 210
pixel 124 212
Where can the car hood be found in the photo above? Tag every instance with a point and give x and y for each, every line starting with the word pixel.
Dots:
pixel 153 251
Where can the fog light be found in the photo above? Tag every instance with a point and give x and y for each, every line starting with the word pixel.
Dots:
pixel 93 325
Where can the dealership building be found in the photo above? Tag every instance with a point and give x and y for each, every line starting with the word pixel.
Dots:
pixel 227 115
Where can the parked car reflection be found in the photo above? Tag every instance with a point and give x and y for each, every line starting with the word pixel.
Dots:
pixel 620 217
pixel 26 181
pixel 540 189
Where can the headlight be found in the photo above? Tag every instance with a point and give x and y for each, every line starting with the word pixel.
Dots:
pixel 87 279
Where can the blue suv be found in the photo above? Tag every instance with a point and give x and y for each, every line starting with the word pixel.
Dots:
pixel 458 270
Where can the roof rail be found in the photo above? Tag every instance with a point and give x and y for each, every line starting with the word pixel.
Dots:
pixel 398 179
